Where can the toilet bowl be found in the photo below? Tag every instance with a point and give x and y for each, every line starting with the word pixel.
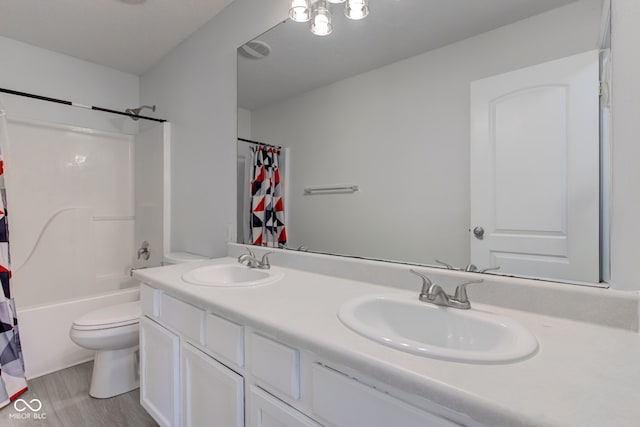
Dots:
pixel 113 333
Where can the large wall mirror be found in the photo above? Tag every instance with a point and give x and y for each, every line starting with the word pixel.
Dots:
pixel 472 133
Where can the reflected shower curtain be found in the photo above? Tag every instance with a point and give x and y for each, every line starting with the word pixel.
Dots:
pixel 12 378
pixel 267 205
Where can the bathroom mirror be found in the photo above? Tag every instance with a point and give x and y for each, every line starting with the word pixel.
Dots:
pixel 466 132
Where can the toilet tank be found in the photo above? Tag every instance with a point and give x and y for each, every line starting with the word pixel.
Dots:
pixel 181 257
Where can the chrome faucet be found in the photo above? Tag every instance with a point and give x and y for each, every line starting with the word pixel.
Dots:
pixel 434 294
pixel 144 251
pixel 250 260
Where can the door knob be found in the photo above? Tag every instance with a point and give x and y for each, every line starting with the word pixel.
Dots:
pixel 479 232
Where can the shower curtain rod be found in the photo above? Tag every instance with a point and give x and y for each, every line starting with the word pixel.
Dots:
pixel 260 143
pixel 75 104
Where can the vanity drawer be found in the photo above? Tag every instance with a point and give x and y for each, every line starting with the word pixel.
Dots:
pixel 149 300
pixel 225 339
pixel 186 319
pixel 341 401
pixel 276 365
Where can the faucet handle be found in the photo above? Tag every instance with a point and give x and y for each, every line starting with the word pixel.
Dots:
pixel 424 278
pixel 426 282
pixel 264 262
pixel 461 291
pixel 250 251
pixel 447 266
pixel 489 269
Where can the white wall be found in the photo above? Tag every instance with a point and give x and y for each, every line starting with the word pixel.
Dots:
pixel 244 123
pixel 401 132
pixel 625 39
pixel 149 173
pixel 195 87
pixel 31 69
pixel 243 170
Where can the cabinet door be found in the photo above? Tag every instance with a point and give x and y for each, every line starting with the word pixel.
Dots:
pixel 264 410
pixel 159 373
pixel 213 394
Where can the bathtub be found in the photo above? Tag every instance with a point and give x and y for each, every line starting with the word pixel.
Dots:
pixel 47 349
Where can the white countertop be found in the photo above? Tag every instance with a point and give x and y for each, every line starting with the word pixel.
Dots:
pixel 582 374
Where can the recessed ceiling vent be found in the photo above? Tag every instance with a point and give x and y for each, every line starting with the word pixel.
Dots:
pixel 255 49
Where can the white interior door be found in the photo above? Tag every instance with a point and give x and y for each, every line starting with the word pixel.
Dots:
pixel 535 170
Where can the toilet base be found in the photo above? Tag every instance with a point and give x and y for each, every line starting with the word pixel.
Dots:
pixel 115 372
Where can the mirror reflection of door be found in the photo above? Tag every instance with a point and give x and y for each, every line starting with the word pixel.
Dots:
pixel 535 170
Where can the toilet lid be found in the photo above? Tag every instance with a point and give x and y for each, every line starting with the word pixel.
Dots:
pixel 111 316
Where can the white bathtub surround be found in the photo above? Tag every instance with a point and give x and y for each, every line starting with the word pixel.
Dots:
pixel 555 387
pixel 606 307
pixel 71 196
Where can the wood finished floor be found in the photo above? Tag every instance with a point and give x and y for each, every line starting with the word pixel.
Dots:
pixel 66 403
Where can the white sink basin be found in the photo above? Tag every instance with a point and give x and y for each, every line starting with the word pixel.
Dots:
pixel 410 325
pixel 231 275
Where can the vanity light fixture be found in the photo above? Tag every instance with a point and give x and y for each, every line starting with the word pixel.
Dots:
pixel 319 13
pixel 321 18
pixel 356 9
pixel 300 10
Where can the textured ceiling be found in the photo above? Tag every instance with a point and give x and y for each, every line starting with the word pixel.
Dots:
pixel 120 34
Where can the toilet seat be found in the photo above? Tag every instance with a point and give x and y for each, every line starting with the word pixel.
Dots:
pixel 110 317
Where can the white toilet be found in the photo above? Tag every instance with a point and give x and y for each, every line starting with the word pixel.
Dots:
pixel 113 332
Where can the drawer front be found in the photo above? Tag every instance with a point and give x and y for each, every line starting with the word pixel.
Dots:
pixel 149 300
pixel 225 339
pixel 344 402
pixel 276 365
pixel 265 410
pixel 184 318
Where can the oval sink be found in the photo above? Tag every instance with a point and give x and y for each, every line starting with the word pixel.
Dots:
pixel 230 275
pixel 413 326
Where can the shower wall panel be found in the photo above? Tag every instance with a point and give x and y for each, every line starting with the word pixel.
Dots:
pixel 70 192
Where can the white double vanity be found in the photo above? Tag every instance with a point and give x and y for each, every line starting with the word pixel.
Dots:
pixel 225 345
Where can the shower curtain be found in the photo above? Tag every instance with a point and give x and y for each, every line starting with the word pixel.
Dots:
pixel 267 205
pixel 12 378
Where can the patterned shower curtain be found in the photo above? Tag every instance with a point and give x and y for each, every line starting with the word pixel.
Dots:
pixel 267 205
pixel 12 378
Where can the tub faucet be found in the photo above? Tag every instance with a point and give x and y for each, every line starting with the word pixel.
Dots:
pixel 144 252
pixel 434 294
pixel 250 260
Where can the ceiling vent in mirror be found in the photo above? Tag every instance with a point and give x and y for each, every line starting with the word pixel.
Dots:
pixel 255 49
pixel 319 13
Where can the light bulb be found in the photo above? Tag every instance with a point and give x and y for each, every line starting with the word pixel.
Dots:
pixel 300 10
pixel 321 19
pixel 356 9
pixel 336 1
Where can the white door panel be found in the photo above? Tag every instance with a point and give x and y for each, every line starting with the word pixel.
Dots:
pixel 535 170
